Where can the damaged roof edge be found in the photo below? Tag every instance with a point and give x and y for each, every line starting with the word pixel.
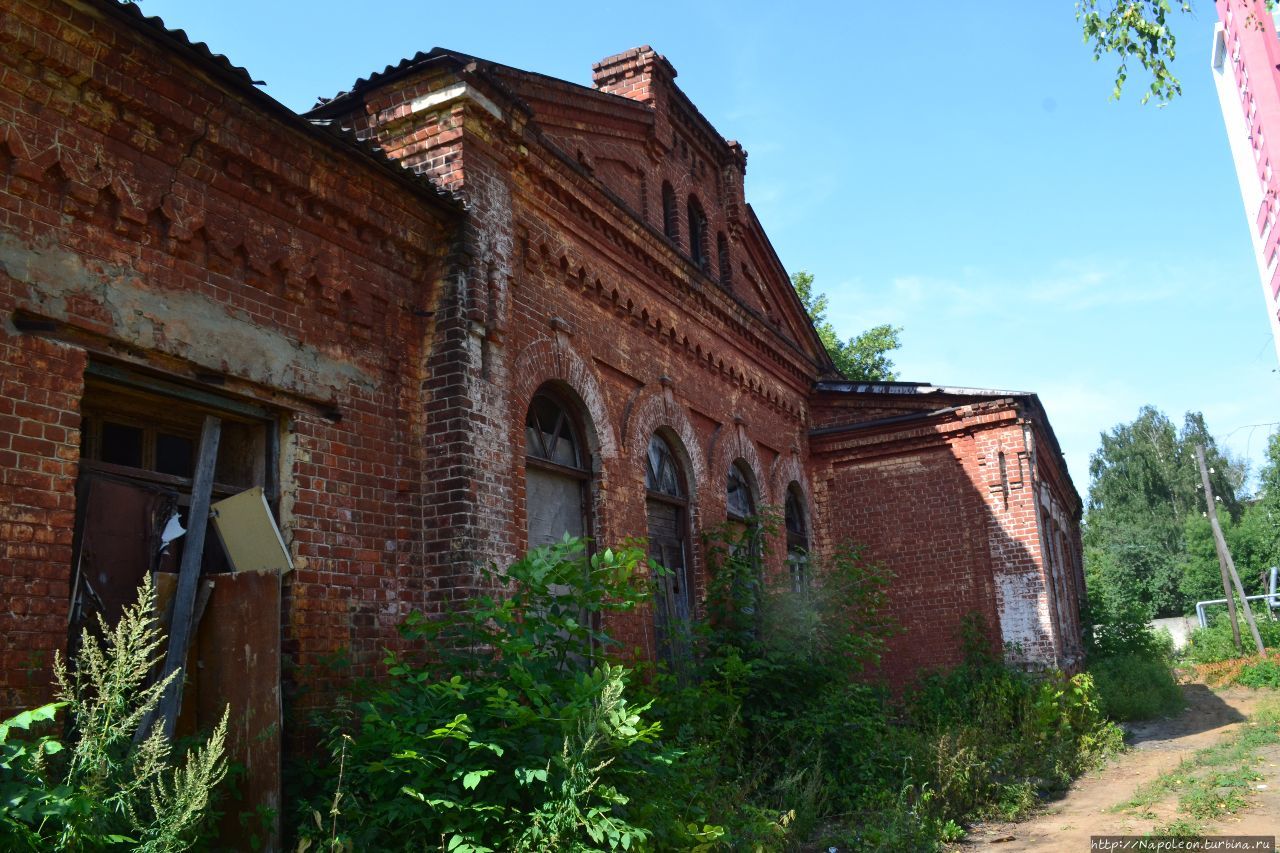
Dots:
pixel 389 74
pixel 241 82
pixel 882 422
pixel 1027 399
pixel 913 388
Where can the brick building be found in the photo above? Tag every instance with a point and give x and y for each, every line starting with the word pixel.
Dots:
pixel 456 310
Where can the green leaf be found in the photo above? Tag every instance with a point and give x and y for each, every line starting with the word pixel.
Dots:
pixel 472 779
pixel 27 718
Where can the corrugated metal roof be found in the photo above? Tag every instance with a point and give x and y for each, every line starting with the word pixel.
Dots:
pixel 240 77
pixel 914 389
pixel 180 39
pixel 391 71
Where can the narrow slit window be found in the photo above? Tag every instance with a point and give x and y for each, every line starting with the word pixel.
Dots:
pixel 698 235
pixel 670 214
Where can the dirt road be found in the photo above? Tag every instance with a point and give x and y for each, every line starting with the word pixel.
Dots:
pixel 1158 746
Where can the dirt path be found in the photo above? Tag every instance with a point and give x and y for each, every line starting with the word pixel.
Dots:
pixel 1158 746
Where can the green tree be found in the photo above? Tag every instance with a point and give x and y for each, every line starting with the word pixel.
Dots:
pixel 864 357
pixel 1255 540
pixel 1147 543
pixel 1134 30
pixel 1139 31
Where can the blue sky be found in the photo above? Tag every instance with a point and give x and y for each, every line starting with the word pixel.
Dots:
pixel 961 174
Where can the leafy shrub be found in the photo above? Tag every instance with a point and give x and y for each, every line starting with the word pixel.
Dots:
pixel 1135 687
pixel 1264 673
pixel 986 738
pixel 1124 631
pixel 1131 665
pixel 101 790
pixel 518 736
pixel 804 746
pixel 774 705
pixel 1215 643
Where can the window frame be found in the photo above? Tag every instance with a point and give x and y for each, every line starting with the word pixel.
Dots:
pixel 797 541
pixel 583 475
pixel 744 477
pixel 699 251
pixel 670 213
pixel 136 390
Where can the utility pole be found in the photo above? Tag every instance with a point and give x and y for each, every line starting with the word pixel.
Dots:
pixel 1225 563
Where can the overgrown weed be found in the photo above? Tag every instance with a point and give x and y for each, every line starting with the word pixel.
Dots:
pixel 771 734
pixel 101 790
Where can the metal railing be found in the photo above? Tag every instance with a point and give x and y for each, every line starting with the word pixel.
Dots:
pixel 1271 597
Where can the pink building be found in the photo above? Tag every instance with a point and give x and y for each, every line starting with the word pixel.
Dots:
pixel 1246 52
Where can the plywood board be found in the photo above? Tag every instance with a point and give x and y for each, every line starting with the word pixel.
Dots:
pixel 249 534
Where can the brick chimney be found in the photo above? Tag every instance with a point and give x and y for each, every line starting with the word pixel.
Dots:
pixel 633 73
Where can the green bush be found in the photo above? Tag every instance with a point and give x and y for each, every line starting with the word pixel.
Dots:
pixel 988 737
pixel 1131 665
pixel 101 791
pixel 518 736
pixel 1265 673
pixel 1124 631
pixel 798 742
pixel 1215 643
pixel 1134 687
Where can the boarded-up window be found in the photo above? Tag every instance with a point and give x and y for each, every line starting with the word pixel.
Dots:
pixel 139 438
pixel 140 449
pixel 556 477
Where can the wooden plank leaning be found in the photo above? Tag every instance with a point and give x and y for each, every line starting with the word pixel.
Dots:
pixel 184 600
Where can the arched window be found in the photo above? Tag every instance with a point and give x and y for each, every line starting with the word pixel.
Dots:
pixel 556 473
pixel 698 235
pixel 724 261
pixel 739 502
pixel 797 539
pixel 667 507
pixel 670 213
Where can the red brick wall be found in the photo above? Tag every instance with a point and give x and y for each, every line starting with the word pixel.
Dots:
pixel 157 213
pixel 931 500
pixel 38 451
pixel 914 511
pixel 568 287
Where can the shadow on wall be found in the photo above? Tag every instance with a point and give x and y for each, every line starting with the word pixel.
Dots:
pixel 953 551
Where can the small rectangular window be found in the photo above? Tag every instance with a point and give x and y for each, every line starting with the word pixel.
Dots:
pixel 121 444
pixel 175 454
